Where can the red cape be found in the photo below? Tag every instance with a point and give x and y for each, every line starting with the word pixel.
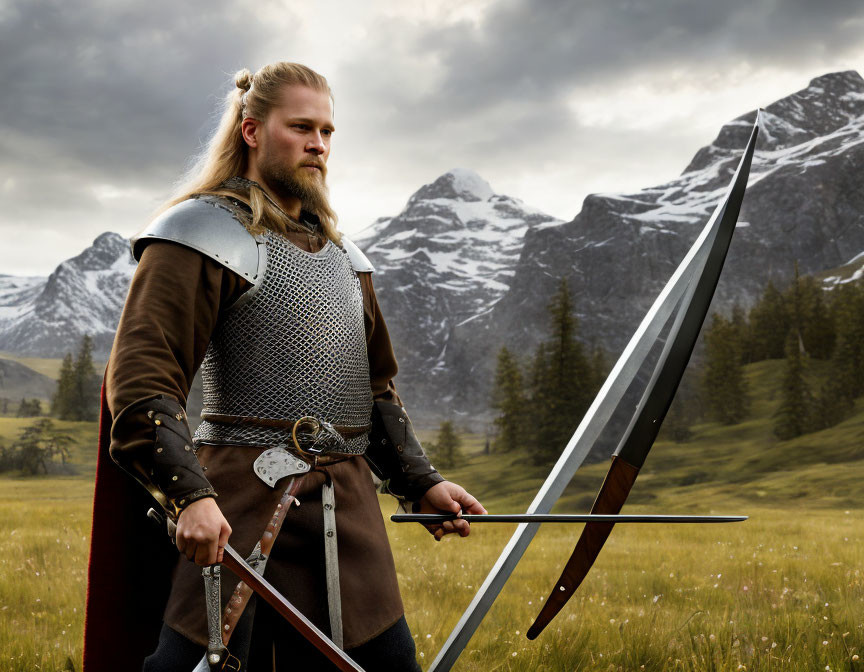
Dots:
pixel 129 575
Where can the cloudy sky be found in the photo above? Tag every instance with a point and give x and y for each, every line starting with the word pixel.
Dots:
pixel 104 102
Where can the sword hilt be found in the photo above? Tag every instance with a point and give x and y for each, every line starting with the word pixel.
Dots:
pixel 163 519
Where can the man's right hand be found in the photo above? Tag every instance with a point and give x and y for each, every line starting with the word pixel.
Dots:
pixel 202 532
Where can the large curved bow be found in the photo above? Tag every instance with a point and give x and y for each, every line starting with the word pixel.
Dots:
pixel 643 428
pixel 692 287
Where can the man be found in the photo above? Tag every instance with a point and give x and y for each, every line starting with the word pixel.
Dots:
pixel 245 275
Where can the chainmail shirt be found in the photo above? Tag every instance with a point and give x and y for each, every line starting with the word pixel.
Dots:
pixel 296 346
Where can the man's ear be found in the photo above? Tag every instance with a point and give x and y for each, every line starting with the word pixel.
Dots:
pixel 249 128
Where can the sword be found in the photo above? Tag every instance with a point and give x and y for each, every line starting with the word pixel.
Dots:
pixel 275 599
pixel 430 518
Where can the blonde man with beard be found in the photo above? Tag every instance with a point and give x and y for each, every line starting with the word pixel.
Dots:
pixel 245 275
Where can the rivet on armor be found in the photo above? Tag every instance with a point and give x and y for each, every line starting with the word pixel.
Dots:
pixel 328 507
pixel 400 448
pixel 182 502
pixel 227 610
pixel 187 448
pixel 179 416
pixel 329 533
pixel 402 420
pixel 227 627
pixel 149 414
pixel 383 442
pixel 158 422
pixel 159 450
pixel 173 478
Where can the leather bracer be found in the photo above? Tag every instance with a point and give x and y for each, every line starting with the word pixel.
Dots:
pixel 395 454
pixel 169 464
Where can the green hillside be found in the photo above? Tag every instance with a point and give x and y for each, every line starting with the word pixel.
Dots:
pixel 726 466
pixel 47 366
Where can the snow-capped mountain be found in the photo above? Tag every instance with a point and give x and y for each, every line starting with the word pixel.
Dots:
pixel 805 203
pixel 442 262
pixel 84 295
pixel 462 271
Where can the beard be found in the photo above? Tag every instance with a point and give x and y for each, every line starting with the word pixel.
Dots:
pixel 308 186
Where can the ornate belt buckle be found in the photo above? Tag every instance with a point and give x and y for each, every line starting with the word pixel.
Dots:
pixel 315 437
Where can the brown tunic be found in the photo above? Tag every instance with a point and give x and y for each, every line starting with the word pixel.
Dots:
pixel 172 308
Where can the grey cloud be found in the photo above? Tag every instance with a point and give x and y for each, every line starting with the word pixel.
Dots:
pixel 537 52
pixel 540 48
pixel 125 88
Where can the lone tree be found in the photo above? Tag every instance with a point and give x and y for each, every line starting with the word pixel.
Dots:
pixel 723 383
pixel 508 398
pixel 446 452
pixel 36 447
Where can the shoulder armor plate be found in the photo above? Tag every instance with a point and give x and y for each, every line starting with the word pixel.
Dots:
pixel 358 260
pixel 212 230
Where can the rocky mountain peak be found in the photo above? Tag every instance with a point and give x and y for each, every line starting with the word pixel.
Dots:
pixel 458 184
pixel 106 249
pixel 828 104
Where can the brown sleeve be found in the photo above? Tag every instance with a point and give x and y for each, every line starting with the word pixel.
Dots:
pixel 395 453
pixel 171 309
pixel 382 360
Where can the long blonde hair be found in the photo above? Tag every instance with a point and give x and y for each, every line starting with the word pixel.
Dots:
pixel 226 154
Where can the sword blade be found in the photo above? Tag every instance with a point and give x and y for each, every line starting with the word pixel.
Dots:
pixel 431 518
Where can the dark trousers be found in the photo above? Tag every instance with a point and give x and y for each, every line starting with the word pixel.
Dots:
pixel 275 645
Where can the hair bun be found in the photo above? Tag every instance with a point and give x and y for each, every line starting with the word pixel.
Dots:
pixel 243 79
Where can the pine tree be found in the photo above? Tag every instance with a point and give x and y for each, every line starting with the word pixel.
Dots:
pixel 846 381
pixel 724 385
pixel 561 381
pixel 446 452
pixel 508 398
pixel 791 419
pixel 742 333
pixel 540 409
pixel 29 408
pixel 571 378
pixel 816 321
pixel 63 404
pixel 769 322
pixel 86 401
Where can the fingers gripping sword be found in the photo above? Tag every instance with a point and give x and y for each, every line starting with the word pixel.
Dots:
pixel 686 289
pixel 233 561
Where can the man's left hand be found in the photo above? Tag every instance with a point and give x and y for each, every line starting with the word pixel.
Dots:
pixel 447 497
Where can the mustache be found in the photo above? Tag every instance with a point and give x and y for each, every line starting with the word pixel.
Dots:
pixel 320 165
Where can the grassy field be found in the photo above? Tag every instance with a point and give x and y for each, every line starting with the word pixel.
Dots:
pixel 783 591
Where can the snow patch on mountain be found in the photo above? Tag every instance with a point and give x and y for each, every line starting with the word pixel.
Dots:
pixel 84 295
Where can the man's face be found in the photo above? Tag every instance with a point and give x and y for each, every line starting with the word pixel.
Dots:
pixel 293 146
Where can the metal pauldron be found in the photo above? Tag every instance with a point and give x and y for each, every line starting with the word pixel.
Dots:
pixel 395 454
